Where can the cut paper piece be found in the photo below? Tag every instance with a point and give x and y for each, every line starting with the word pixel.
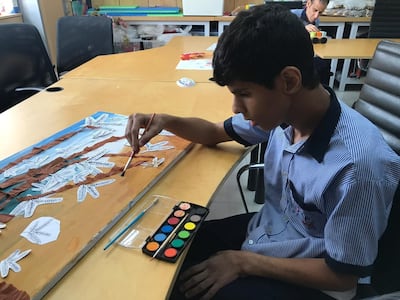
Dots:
pixel 27 208
pixel 212 47
pixel 32 163
pixel 51 183
pixel 154 163
pixel 157 146
pixel 195 64
pixel 104 132
pixel 91 189
pixel 42 230
pixel 162 133
pixel 9 291
pixel 98 122
pixel 166 133
pixel 185 82
pixel 11 262
pixel 5 218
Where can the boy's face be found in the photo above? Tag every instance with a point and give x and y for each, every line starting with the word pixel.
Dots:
pixel 313 9
pixel 263 107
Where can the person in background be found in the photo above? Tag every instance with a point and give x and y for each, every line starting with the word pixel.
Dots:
pixel 310 13
pixel 329 175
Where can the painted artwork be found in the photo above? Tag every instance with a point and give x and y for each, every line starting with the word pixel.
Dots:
pixel 78 156
pixel 66 192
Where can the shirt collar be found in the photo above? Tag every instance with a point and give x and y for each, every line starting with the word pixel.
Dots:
pixel 318 142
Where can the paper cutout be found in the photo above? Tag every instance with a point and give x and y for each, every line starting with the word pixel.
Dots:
pixel 195 64
pixel 90 189
pixel 42 230
pixel 9 291
pixel 149 147
pixel 212 47
pixel 27 208
pixel 154 163
pixel 31 163
pixel 11 262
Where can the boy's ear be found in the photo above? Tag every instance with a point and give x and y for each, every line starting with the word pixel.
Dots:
pixel 290 80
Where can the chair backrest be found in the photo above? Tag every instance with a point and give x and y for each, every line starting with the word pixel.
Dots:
pixel 385 20
pixel 379 101
pixel 379 98
pixel 81 38
pixel 24 63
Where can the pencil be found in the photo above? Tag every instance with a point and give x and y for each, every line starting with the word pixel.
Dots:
pixel 133 152
pixel 131 223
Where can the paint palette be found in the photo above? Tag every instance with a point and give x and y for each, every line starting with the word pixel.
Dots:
pixel 177 230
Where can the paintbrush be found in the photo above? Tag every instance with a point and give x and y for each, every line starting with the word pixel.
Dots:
pixel 131 223
pixel 133 152
pixel 170 237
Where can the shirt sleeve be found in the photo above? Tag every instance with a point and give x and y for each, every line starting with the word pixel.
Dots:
pixel 356 224
pixel 243 132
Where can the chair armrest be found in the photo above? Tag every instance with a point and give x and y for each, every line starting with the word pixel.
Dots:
pixel 243 169
pixel 38 89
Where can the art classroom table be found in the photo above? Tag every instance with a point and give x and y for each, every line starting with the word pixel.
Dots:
pixel 156 64
pixel 347 49
pixel 325 21
pixel 118 273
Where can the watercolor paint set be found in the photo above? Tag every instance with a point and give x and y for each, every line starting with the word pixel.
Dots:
pixel 176 231
pixel 161 227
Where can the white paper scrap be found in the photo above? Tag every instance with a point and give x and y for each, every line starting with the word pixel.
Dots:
pixel 42 230
pixel 11 262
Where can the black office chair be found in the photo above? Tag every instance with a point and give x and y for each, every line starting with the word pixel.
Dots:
pixel 379 101
pixel 379 98
pixel 385 20
pixel 25 66
pixel 81 38
pixel 385 23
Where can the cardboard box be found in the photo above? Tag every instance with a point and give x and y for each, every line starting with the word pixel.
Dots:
pixel 203 7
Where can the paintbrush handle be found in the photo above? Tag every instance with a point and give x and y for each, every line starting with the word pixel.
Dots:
pixel 171 235
pixel 131 223
pixel 149 123
pixel 133 152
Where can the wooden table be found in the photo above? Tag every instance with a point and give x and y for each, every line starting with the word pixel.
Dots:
pixel 325 21
pixel 171 20
pixel 117 273
pixel 157 64
pixel 347 49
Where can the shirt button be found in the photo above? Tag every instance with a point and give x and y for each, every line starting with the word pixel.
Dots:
pixel 251 242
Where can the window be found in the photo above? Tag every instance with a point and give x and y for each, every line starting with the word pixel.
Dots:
pixel 8 7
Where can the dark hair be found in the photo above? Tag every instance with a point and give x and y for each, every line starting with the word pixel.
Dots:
pixel 259 43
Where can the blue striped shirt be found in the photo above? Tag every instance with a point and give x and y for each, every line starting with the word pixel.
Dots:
pixel 328 196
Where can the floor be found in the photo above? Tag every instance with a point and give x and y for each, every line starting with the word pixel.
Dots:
pixel 227 201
